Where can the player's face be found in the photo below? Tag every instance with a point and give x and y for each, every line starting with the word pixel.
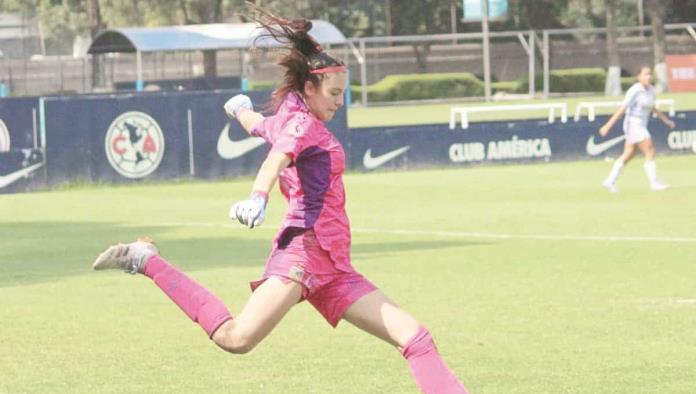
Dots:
pixel 326 98
pixel 645 76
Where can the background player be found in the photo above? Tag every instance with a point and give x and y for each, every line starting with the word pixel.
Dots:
pixel 637 106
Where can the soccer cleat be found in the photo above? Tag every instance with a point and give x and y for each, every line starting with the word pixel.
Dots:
pixel 658 186
pixel 610 186
pixel 128 257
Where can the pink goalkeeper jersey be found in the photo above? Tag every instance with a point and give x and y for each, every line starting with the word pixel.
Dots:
pixel 313 183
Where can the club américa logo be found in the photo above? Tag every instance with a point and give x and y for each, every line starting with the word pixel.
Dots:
pixel 134 144
pixel 4 137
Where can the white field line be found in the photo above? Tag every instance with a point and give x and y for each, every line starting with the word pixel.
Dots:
pixel 659 302
pixel 459 234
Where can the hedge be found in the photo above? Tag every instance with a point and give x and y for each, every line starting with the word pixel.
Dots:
pixel 575 80
pixel 421 86
pixel 505 86
pixel 569 81
pixel 262 85
pixel 446 85
pixel 627 82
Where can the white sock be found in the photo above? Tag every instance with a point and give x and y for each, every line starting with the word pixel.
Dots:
pixel 615 172
pixel 651 171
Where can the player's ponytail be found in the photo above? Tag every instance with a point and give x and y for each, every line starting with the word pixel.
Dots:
pixel 304 60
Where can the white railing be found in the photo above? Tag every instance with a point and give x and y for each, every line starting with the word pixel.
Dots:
pixel 465 111
pixel 591 105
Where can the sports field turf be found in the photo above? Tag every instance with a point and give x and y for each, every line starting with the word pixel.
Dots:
pixel 532 279
pixel 411 114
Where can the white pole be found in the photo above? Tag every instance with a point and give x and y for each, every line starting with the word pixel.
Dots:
pixel 363 73
pixel 35 129
pixel 546 64
pixel 453 17
pixel 192 167
pixel 139 71
pixel 532 64
pixel 486 51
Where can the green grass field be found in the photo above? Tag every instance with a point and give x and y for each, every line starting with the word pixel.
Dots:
pixel 440 113
pixel 532 279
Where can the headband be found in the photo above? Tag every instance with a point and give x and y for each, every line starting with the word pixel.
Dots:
pixel 333 69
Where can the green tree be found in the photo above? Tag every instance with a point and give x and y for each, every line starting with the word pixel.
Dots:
pixel 593 13
pixel 535 14
pixel 61 22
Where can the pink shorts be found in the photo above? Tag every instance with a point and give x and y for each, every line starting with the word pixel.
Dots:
pixel 298 257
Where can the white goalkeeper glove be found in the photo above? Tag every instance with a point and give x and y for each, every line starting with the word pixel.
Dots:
pixel 236 105
pixel 252 211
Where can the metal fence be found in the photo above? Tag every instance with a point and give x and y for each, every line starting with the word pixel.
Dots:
pixel 512 53
pixel 516 56
pixel 575 48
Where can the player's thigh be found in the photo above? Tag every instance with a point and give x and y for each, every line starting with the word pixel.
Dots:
pixel 376 314
pixel 266 307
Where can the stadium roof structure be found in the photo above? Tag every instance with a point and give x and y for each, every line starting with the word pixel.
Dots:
pixel 216 36
pixel 187 38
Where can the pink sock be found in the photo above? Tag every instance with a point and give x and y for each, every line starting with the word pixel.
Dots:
pixel 195 300
pixel 428 368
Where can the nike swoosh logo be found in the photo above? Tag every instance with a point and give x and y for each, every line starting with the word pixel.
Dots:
pixel 6 180
pixel 228 149
pixel 596 149
pixel 373 162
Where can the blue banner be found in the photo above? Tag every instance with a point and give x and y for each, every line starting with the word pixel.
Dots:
pixel 131 137
pixel 21 157
pixel 223 148
pixel 21 170
pixel 116 138
pixel 135 137
pixel 18 123
pixel 498 142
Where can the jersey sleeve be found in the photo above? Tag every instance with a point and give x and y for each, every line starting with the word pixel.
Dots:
pixel 261 129
pixel 293 137
pixel 631 95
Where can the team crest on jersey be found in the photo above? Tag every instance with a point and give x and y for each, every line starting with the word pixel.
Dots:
pixel 4 137
pixel 296 273
pixel 297 130
pixel 134 144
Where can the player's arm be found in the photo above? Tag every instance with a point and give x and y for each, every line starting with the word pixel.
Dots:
pixel 239 107
pixel 270 170
pixel 667 121
pixel 604 130
pixel 252 211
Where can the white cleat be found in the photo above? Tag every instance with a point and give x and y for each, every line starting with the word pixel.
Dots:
pixel 128 257
pixel 658 186
pixel 610 186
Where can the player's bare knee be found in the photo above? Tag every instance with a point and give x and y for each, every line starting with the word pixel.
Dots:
pixel 234 342
pixel 407 331
pixel 239 347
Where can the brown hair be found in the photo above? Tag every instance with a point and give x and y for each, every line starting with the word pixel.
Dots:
pixel 303 54
pixel 643 67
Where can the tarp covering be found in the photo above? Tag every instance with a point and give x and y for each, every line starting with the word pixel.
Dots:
pixel 216 36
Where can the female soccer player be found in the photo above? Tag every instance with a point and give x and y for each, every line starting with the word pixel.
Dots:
pixel 638 104
pixel 310 259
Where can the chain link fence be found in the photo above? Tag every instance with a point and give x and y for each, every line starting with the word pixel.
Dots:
pixel 516 58
pixel 566 49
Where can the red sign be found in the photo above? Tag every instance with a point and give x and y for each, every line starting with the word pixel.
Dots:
pixel 681 73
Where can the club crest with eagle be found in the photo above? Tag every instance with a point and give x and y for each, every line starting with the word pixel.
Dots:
pixel 134 144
